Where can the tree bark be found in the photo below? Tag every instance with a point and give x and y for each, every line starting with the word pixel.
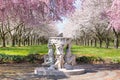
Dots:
pixel 100 42
pixel 116 41
pixel 88 42
pixel 28 41
pixel 3 42
pixel 91 42
pixel 107 42
pixel 31 41
pixel 95 43
pixel 19 43
pixel 13 42
pixel 85 42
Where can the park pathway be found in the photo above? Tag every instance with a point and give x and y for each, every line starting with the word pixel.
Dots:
pixel 93 72
pixel 102 75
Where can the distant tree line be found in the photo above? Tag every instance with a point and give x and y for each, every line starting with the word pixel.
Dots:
pixel 91 26
pixel 22 36
pixel 30 22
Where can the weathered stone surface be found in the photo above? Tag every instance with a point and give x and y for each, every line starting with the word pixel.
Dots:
pixel 68 67
pixel 42 71
pixel 73 71
pixel 61 57
pixel 63 62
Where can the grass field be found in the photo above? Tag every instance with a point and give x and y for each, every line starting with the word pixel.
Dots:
pixel 93 51
pixel 78 50
pixel 41 49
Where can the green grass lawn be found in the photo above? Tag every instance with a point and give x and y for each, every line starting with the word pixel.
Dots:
pixel 93 51
pixel 78 50
pixel 41 49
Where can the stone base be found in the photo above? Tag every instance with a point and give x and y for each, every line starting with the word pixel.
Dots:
pixel 73 71
pixel 44 71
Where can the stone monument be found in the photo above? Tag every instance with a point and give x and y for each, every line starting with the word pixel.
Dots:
pixel 60 62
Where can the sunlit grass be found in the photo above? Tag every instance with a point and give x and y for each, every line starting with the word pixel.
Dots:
pixel 78 50
pixel 41 49
pixel 93 51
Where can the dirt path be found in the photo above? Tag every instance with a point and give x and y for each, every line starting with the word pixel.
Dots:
pixel 93 72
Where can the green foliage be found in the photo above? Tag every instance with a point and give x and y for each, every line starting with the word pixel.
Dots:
pixel 32 58
pixel 35 54
pixel 89 59
pixel 17 59
pixel 96 55
pixel 30 54
pixel 117 60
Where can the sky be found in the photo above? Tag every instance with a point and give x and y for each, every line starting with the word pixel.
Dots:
pixel 60 25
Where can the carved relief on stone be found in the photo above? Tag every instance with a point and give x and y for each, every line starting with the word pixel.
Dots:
pixel 51 54
pixel 60 60
pixel 69 57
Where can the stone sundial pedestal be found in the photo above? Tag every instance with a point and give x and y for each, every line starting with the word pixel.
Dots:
pixel 60 60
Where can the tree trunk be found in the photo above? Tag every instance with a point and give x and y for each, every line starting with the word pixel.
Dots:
pixel 88 42
pixel 107 42
pixel 76 41
pixel 91 42
pixel 116 41
pixel 31 41
pixel 85 42
pixel 100 42
pixel 3 42
pixel 95 43
pixel 24 42
pixel 13 42
pixel 39 41
pixel 19 43
pixel 28 41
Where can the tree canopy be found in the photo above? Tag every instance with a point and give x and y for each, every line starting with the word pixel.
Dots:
pixel 114 15
pixel 34 11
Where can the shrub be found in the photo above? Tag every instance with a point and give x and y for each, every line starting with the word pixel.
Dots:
pixel 116 60
pixel 18 59
pixel 89 59
pixel 1 58
pixel 32 58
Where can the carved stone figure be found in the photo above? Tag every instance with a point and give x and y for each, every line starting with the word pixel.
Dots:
pixel 69 57
pixel 49 58
pixel 51 54
pixel 60 60
pixel 60 64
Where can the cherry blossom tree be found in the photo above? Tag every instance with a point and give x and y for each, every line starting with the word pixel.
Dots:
pixel 35 11
pixel 16 15
pixel 114 20
pixel 89 22
pixel 114 15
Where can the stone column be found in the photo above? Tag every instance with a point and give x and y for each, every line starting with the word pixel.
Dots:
pixel 70 59
pixel 51 54
pixel 59 56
